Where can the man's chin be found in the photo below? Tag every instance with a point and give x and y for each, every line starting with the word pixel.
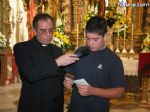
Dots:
pixel 46 43
pixel 93 50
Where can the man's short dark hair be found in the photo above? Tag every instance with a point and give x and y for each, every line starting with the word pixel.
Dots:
pixel 41 16
pixel 97 25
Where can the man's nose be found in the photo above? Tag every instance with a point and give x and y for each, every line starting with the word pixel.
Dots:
pixel 49 33
pixel 91 42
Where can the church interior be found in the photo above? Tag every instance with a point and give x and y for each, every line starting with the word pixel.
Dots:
pixel 129 38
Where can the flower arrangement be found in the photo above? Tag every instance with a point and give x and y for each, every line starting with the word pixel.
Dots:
pixel 2 40
pixel 92 11
pixel 120 19
pixel 59 38
pixel 88 16
pixel 146 44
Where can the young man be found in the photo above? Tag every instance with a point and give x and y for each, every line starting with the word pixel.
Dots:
pixel 101 68
pixel 40 69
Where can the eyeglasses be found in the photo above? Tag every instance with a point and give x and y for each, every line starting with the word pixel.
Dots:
pixel 46 31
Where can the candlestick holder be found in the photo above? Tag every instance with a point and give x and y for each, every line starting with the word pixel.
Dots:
pixel 111 43
pixel 84 41
pixel 77 42
pixel 84 37
pixel 132 45
pixel 117 47
pixel 124 46
pixel 112 47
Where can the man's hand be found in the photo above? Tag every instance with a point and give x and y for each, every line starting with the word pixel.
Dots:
pixel 68 82
pixel 84 90
pixel 66 59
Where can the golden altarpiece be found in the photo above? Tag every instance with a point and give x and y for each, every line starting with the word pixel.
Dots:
pixel 6 54
pixel 72 14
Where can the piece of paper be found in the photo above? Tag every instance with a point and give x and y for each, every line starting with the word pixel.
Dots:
pixel 68 79
pixel 81 82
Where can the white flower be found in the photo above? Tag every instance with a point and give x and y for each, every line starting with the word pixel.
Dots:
pixel 2 40
pixel 57 41
pixel 96 9
pixel 58 22
pixel 146 44
pixel 59 38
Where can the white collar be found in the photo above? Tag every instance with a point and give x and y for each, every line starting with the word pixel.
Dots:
pixel 44 45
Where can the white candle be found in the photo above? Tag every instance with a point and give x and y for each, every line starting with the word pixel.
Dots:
pixel 43 8
pixel 118 33
pixel 132 31
pixel 125 31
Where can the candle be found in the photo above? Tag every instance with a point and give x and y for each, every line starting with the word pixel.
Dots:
pixel 117 10
pixel 132 41
pixel 118 33
pixel 125 31
pixel 77 30
pixel 132 31
pixel 77 34
pixel 43 8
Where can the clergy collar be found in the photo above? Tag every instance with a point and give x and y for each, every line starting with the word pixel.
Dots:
pixel 44 45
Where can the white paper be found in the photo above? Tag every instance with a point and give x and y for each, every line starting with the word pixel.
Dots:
pixel 81 82
pixel 68 79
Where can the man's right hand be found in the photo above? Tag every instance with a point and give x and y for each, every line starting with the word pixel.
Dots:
pixel 66 59
pixel 68 82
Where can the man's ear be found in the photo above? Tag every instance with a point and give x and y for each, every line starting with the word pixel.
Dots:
pixel 34 31
pixel 106 37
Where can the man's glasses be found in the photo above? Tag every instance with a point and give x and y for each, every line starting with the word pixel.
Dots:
pixel 46 31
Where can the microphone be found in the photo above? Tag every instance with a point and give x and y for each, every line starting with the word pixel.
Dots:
pixel 82 52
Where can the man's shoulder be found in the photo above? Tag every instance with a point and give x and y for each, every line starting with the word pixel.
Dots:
pixel 81 48
pixel 21 45
pixel 112 54
pixel 25 43
pixel 55 47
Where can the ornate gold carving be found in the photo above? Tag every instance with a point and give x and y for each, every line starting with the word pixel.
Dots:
pixel 66 8
pixel 75 14
pixel 1 16
pixel 86 4
pixel 144 95
pixel 6 28
pixel 49 8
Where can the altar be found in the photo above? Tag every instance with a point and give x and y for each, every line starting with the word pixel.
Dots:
pixel 132 79
pixel 130 66
pixel 137 78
